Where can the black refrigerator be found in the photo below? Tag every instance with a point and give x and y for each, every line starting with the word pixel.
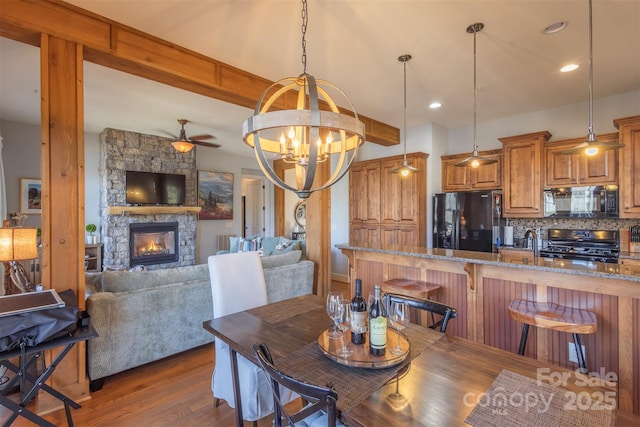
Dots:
pixel 468 220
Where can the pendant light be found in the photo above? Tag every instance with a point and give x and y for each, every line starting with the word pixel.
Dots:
pixel 307 135
pixel 405 169
pixel 591 146
pixel 475 160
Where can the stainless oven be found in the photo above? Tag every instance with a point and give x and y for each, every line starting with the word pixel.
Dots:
pixel 581 202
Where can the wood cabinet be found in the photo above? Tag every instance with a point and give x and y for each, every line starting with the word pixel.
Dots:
pixel 629 266
pixel 629 166
pixel 385 207
pixel 577 170
pixel 522 179
pixel 516 256
pixel 488 177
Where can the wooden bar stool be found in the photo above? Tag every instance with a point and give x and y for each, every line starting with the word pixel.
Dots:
pixel 550 315
pixel 410 288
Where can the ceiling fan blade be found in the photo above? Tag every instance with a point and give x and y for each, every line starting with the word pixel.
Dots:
pixel 169 134
pixel 201 137
pixel 205 144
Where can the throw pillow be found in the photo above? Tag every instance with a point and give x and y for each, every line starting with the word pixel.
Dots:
pixel 234 243
pixel 271 261
pixel 249 245
pixel 269 244
pixel 286 245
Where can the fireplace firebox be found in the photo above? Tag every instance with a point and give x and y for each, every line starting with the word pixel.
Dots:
pixel 153 243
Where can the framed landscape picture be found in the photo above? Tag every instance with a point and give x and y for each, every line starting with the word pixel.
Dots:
pixel 215 195
pixel 30 193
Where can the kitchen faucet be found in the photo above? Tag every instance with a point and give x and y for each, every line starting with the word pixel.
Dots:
pixel 534 240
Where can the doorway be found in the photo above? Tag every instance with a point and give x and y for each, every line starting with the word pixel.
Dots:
pixel 254 202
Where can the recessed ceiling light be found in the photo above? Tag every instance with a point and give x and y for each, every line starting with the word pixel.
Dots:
pixel 569 67
pixel 435 105
pixel 555 27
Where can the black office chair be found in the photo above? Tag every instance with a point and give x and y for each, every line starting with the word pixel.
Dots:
pixel 433 307
pixel 321 400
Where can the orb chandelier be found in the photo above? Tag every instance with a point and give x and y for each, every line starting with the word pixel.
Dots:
pixel 405 169
pixel 315 132
pixel 475 160
pixel 591 146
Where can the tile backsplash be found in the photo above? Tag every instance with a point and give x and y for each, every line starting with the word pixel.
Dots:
pixel 521 225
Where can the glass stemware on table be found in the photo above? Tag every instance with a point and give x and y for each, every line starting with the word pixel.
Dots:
pixel 344 324
pixel 399 318
pixel 333 310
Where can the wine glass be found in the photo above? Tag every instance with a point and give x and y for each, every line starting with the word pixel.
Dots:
pixel 333 307
pixel 344 323
pixel 399 318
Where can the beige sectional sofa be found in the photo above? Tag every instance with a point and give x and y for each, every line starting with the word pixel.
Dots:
pixel 143 316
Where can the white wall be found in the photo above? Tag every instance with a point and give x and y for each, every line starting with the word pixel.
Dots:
pixel 569 121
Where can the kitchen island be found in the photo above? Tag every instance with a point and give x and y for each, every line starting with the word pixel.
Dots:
pixel 481 286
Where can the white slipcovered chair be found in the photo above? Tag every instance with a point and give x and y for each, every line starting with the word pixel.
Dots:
pixel 238 284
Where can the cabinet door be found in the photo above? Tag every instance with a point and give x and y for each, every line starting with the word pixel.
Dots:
pixel 599 169
pixel 363 234
pixel 364 192
pixel 399 235
pixel 400 193
pixel 629 166
pixel 561 169
pixel 455 178
pixel 488 177
pixel 522 181
pixel 629 266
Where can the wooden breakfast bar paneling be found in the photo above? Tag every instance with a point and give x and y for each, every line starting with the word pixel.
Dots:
pixel 481 286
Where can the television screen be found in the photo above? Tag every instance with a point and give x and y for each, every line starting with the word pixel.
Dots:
pixel 149 188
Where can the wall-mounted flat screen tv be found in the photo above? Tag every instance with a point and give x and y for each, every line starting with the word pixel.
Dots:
pixel 150 188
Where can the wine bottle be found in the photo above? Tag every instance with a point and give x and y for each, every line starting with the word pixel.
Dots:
pixel 377 325
pixel 358 315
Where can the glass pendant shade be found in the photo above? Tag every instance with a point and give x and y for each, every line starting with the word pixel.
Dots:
pixel 591 146
pixel 315 132
pixel 405 169
pixel 182 146
pixel 475 160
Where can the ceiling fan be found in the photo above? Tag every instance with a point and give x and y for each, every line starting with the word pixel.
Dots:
pixel 184 144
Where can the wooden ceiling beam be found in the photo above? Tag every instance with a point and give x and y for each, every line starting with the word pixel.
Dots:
pixel 114 45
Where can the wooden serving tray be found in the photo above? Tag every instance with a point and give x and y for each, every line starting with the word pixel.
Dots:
pixel 361 357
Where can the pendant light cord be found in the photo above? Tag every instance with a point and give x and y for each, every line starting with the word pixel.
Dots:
pixel 404 124
pixel 591 136
pixel 305 20
pixel 475 93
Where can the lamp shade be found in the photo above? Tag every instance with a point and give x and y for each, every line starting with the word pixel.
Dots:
pixel 18 244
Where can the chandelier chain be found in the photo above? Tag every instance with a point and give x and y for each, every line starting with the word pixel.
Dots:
pixel 305 18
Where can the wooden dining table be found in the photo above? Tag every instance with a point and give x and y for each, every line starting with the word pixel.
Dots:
pixel 445 381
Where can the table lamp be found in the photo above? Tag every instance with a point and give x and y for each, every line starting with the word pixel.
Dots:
pixel 17 244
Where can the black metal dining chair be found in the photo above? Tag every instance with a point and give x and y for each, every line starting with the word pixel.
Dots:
pixel 321 406
pixel 434 307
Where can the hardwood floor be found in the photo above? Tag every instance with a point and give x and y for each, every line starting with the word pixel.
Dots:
pixel 175 391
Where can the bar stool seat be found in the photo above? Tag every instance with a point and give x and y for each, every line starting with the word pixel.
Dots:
pixel 556 317
pixel 410 288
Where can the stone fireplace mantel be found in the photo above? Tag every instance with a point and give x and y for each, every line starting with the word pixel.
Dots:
pixel 153 210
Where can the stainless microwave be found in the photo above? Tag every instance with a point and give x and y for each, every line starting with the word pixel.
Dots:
pixel 581 202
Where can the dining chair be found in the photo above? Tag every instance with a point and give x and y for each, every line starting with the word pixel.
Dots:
pixel 320 409
pixel 238 284
pixel 434 307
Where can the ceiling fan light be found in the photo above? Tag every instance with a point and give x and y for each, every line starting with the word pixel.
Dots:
pixel 182 146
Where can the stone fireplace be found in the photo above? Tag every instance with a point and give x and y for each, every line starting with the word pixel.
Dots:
pixel 121 151
pixel 153 243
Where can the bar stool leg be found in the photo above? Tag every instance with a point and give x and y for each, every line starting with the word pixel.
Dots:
pixel 581 362
pixel 523 338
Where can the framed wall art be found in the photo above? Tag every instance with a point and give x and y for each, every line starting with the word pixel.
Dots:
pixel 215 195
pixel 30 193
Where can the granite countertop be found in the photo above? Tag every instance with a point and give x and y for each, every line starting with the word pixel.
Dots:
pixel 584 268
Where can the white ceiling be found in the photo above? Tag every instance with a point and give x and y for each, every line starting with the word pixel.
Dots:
pixel 355 45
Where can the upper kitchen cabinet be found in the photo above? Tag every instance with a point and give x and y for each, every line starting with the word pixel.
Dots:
pixel 488 177
pixel 522 180
pixel 563 170
pixel 629 166
pixel 386 207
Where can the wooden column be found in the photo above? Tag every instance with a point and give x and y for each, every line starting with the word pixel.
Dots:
pixel 62 171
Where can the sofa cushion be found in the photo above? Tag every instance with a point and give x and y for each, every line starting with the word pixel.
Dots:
pixel 291 257
pixel 121 281
pixel 269 244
